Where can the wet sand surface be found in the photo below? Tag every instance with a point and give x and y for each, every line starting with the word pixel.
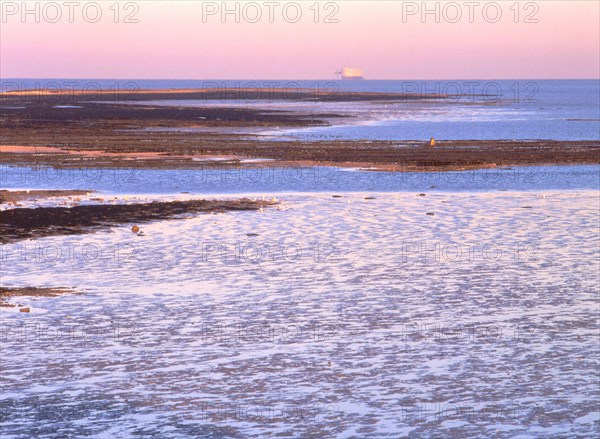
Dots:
pixel 352 314
pixel 359 318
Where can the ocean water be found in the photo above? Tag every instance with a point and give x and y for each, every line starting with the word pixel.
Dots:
pixel 273 179
pixel 476 109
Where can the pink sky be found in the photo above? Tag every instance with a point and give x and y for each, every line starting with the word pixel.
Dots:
pixel 172 41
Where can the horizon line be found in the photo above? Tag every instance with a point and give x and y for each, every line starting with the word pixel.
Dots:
pixel 297 79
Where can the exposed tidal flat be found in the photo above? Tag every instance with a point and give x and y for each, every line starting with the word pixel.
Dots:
pixel 351 285
pixel 381 128
pixel 349 313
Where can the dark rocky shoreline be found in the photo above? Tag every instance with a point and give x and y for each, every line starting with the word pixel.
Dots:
pixel 25 223
pixel 180 136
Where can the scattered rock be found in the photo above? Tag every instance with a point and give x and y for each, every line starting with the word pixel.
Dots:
pixel 336 196
pixel 252 234
pixel 369 198
pixel 526 207
pixel 430 213
pixel 422 195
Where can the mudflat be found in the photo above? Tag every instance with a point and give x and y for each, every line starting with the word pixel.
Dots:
pixel 99 131
pixel 10 293
pixel 25 223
